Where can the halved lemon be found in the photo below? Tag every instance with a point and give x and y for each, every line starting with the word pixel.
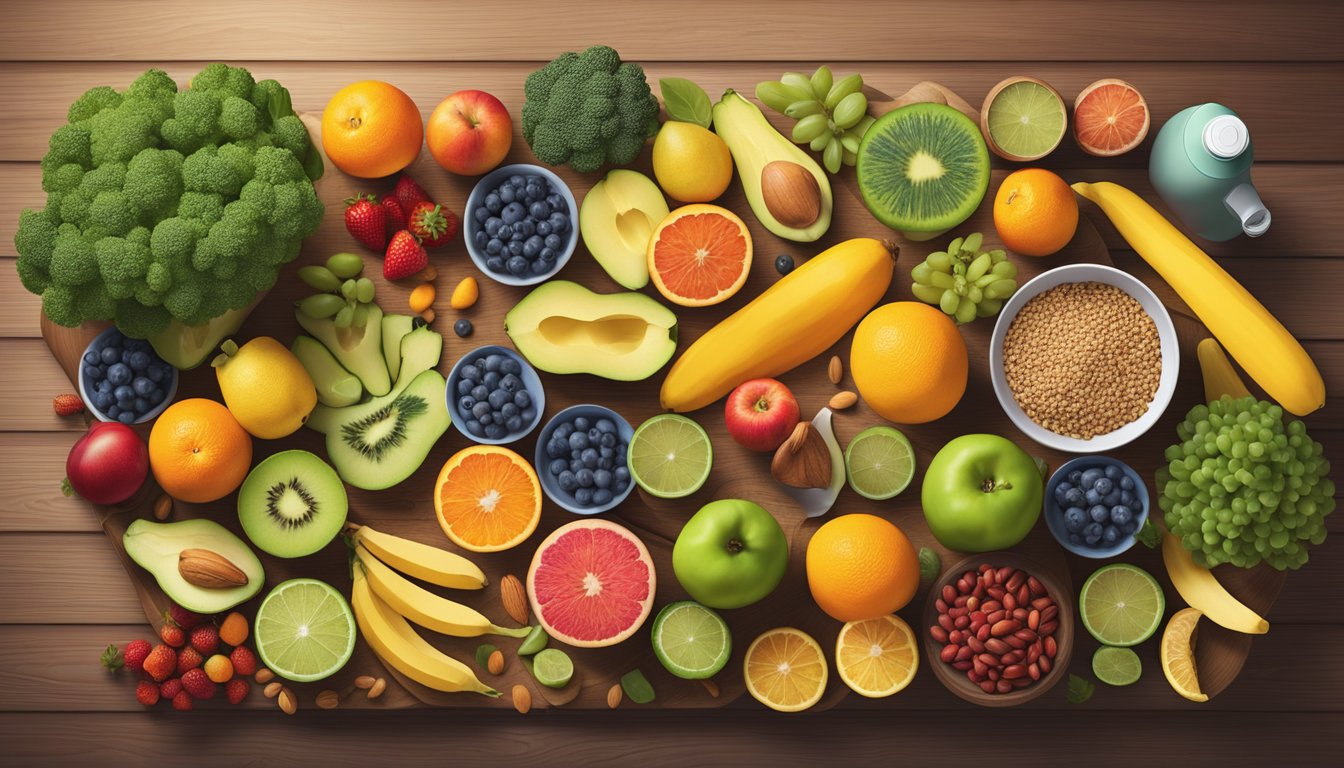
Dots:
pixel 487 498
pixel 785 670
pixel 877 657
pixel 1178 654
pixel 699 255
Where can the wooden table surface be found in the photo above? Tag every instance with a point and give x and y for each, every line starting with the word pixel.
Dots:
pixel 65 595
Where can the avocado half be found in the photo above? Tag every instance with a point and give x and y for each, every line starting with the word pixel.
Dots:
pixel 156 547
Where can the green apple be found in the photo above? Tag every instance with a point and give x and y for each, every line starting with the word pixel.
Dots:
pixel 729 554
pixel 981 493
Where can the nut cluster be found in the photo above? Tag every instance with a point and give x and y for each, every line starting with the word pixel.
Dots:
pixel 1083 359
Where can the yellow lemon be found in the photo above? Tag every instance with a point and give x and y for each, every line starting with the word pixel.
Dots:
pixel 692 164
pixel 265 387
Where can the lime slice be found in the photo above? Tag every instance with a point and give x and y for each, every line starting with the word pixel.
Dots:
pixel 670 456
pixel 304 630
pixel 880 463
pixel 691 640
pixel 1026 120
pixel 1121 605
pixel 1116 666
pixel 536 640
pixel 552 668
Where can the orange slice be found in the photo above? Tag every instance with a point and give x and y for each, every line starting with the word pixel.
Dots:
pixel 1178 654
pixel 877 657
pixel 785 670
pixel 699 255
pixel 1110 118
pixel 487 498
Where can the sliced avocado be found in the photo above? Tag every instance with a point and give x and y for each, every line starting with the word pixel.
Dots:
pixel 617 219
pixel 187 346
pixel 755 144
pixel 382 442
pixel 360 350
pixel 420 351
pixel 395 327
pixel 336 387
pixel 157 547
pixel 562 327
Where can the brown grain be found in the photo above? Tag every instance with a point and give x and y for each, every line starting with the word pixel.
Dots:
pixel 163 507
pixel 365 682
pixel 711 687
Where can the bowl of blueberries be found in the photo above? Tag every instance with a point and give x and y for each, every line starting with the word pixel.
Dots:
pixel 1094 505
pixel 122 379
pixel 494 396
pixel 581 459
pixel 521 224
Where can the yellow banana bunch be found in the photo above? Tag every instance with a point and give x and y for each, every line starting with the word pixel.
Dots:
pixel 423 607
pixel 431 564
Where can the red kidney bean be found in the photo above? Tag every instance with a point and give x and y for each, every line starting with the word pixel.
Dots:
pixel 949 653
pixel 1025 635
pixel 1037 588
pixel 940 605
pixel 1041 602
pixel 957 611
pixel 956 637
pixel 1005 627
pixel 1001 575
pixel 1034 619
pixel 1034 671
pixel 1021 682
pixel 995 617
pixel 961 622
pixel 962 665
pixel 938 633
pixel 1015 642
pixel 945 622
pixel 1009 602
pixel 964 652
pixel 1004 686
pixel 979 667
pixel 1051 647
pixel 979 591
pixel 1016 580
pixel 988 659
pixel 1014 670
pixel 1049 612
pixel 988 686
pixel 960 601
pixel 975 644
pixel 973 676
pixel 972 602
pixel 990 606
pixel 977 617
pixel 949 594
pixel 1033 652
pixel 1023 595
pixel 993 673
pixel 1049 627
pixel 996 646
pixel 984 567
pixel 1045 663
pixel 982 633
pixel 995 592
pixel 1013 657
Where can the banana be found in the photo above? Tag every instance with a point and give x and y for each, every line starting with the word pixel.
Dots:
pixel 424 607
pixel 1201 590
pixel 1220 378
pixel 431 564
pixel 398 645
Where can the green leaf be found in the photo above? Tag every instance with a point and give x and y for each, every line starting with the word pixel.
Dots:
pixel 686 101
pixel 930 564
pixel 279 104
pixel 637 687
pixel 1080 689
pixel 1149 536
pixel 483 652
pixel 313 167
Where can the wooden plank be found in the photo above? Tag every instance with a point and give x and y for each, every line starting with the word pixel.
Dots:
pixel 1285 129
pixel 686 31
pixel 30 485
pixel 31 377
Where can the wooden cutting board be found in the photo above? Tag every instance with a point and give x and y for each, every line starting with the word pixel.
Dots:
pixel 407 510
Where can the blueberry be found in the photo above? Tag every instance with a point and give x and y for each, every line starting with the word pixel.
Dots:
pixel 492 202
pixel 548 255
pixel 1092 497
pixel 126 356
pixel 536 193
pixel 529 414
pixel 504 233
pixel 1099 514
pixel 515 423
pixel 784 264
pixel 567 481
pixel 513 213
pixel 1126 498
pixel 156 396
pixel 464 386
pixel 126 417
pixel 492 226
pixel 518 266
pixel 557 466
pixel 1074 519
pixel 605 453
pixel 589 457
pixel 474 427
pixel 480 392
pixel 1127 483
pixel 140 405
pixel 563 431
pixel 517 180
pixel 582 423
pixel 159 373
pixel 556 447
pixel 543 228
pixel 621 475
pixel 585 477
pixel 462 327
pixel 620 459
pixel 507 195
pixel 510 383
pixel 139 361
pixel 1075 538
pixel 491 379
pixel 493 247
pixel 103 400
pixel 91 357
pixel 481 409
pixel 119 373
pixel 608 440
pixel 124 395
pixel 525 228
pixel 1121 515
pixel 515 249
pixel 532 246
pixel 497 399
pixel 112 411
pixel 539 210
pixel 1075 497
pixel 105 386
pixel 1076 476
pixel 1112 472
pixel 594 436
pixel 495 264
pixel 1111 499
pixel 523 399
pixel 1110 535
pixel 110 355
pixel 481 239
pixel 553 241
pixel 1104 486
pixel 471 372
pixel 495 431
pixel 509 410
pixel 575 465
pixel 93 372
pixel 481 215
pixel 1092 534
pixel 556 201
pixel 602 496
pixel 602 478
pixel 559 223
pixel 584 497
pixel 465 403
pixel 1091 476
pixel 579 440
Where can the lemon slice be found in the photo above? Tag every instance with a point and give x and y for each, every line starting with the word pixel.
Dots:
pixel 877 657
pixel 1178 654
pixel 785 670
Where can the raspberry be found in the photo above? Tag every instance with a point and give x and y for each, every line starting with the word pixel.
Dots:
pixel 244 661
pixel 147 693
pixel 205 638
pixel 236 690
pixel 182 701
pixel 196 683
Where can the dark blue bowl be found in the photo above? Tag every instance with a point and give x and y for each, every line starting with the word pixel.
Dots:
pixel 1054 512
pixel 548 482
pixel 477 198
pixel 530 380
pixel 86 386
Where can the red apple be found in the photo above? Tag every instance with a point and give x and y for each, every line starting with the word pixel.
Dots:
pixel 761 414
pixel 469 133
pixel 108 464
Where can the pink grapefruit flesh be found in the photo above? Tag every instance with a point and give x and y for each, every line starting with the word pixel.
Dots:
pixel 591 583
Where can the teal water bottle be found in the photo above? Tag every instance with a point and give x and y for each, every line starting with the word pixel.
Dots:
pixel 1201 166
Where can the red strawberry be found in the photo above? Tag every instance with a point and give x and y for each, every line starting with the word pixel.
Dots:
pixel 396 215
pixel 432 224
pixel 147 693
pixel 205 638
pixel 170 687
pixel 235 690
pixel 160 663
pixel 184 618
pixel 188 658
pixel 134 654
pixel 244 661
pixel 182 701
pixel 67 405
pixel 172 634
pixel 366 221
pixel 404 257
pixel 198 684
pixel 410 194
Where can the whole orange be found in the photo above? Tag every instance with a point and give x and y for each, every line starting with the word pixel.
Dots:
pixel 371 129
pixel 861 567
pixel 1035 212
pixel 909 362
pixel 198 451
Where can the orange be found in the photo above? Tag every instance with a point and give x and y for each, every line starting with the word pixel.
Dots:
pixel 785 670
pixel 1035 212
pixel 699 255
pixel 1110 117
pixel 198 451
pixel 909 362
pixel 877 657
pixel 487 498
pixel 861 567
pixel 371 129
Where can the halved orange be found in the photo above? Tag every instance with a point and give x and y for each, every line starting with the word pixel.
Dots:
pixel 699 255
pixel 1110 118
pixel 487 498
pixel 877 657
pixel 785 670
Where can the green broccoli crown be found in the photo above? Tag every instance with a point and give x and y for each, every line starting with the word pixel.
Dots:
pixel 167 204
pixel 588 109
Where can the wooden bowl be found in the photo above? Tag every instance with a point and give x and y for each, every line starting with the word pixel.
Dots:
pixel 955 680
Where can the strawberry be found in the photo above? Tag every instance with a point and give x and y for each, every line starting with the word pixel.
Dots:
pixel 67 405
pixel 147 693
pixel 182 701
pixel 170 687
pixel 205 638
pixel 236 690
pixel 184 618
pixel 244 661
pixel 172 634
pixel 160 663
pixel 198 684
pixel 134 654
pixel 410 194
pixel 188 658
pixel 366 221
pixel 432 224
pixel 396 215
pixel 404 257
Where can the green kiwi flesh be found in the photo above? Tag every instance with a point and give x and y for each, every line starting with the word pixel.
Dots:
pixel 292 504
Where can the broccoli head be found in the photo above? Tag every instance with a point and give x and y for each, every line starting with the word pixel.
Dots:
pixel 588 109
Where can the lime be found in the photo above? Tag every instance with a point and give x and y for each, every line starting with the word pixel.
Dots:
pixel 1116 666
pixel 535 641
pixel 1121 604
pixel 880 463
pixel 1025 119
pixel 691 640
pixel 304 630
pixel 552 668
pixel 670 456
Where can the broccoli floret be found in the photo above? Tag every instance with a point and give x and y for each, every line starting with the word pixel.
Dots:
pixel 238 119
pixel 72 261
pixel 112 213
pixel 119 134
pixel 290 133
pixel 205 171
pixel 122 264
pixel 92 102
pixel 62 178
pixel 588 109
pixel 224 80
pixel 138 319
pixel 61 307
pixel 69 144
pixel 195 121
pixel 154 181
pixel 173 241
pixel 74 207
pixel 35 239
pixel 206 207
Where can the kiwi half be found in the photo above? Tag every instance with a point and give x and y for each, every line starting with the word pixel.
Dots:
pixel 292 504
pixel 923 169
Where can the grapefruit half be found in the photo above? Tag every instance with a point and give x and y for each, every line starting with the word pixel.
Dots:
pixel 1110 118
pixel 591 583
pixel 699 255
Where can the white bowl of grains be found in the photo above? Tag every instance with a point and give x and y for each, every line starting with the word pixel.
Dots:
pixel 1084 358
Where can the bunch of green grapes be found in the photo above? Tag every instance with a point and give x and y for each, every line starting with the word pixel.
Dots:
pixel 832 114
pixel 964 281
pixel 1244 488
pixel 346 296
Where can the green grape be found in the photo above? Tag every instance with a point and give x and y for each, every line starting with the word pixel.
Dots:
pixel 988 307
pixel 364 290
pixel 797 80
pixel 779 96
pixel 821 82
pixel 800 109
pixel 850 110
pixel 809 128
pixel 850 158
pixel 1004 269
pixel 972 242
pixel 927 293
pixel 360 316
pixel 832 156
pixel 821 142
pixel 941 280
pixel 949 302
pixel 1001 289
pixel 939 261
pixel 321 305
pixel 842 88
pixel 344 317
pixel 921 273
pixel 965 310
pixel 348 289
pixel 978 267
pixel 959 279
pixel 345 265
pixel 321 278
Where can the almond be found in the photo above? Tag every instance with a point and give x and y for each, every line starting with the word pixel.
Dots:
pixel 263 676
pixel 804 460
pixel 365 682
pixel 163 507
pixel 288 703
pixel 377 689
pixel 328 699
pixel 711 686
pixel 836 370
pixel 522 699
pixel 495 664
pixel 614 696
pixel 514 597
pixel 791 193
pixel 209 570
pixel 842 400
pixel 272 689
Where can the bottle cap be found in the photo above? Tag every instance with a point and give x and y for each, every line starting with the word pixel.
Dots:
pixel 1226 136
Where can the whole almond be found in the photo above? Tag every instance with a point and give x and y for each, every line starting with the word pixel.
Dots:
pixel 495 664
pixel 328 699
pixel 711 686
pixel 377 689
pixel 842 400
pixel 163 507
pixel 614 696
pixel 791 193
pixel 514 598
pixel 365 682
pixel 272 689
pixel 209 570
pixel 288 703
pixel 836 370
pixel 263 676
pixel 522 699
pixel 804 460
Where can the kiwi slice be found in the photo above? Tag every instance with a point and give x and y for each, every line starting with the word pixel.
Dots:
pixel 292 504
pixel 923 169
